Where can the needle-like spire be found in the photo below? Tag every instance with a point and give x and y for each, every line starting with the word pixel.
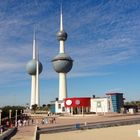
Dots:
pixel 61 17
pixel 34 45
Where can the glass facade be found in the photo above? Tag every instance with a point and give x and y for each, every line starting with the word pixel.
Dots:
pixel 117 101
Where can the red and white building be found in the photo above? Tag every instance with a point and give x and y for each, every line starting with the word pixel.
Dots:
pixel 77 105
pixel 81 105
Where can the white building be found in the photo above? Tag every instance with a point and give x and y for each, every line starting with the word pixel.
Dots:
pixel 97 105
pixel 59 106
pixel 100 105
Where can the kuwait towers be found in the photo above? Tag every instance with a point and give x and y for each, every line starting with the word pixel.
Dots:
pixel 62 63
pixel 34 68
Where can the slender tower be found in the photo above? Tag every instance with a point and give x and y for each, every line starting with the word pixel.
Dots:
pixel 62 63
pixel 34 68
pixel 37 95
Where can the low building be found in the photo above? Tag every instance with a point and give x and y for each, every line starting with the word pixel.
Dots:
pixel 77 105
pixel 59 106
pixel 113 102
pixel 100 105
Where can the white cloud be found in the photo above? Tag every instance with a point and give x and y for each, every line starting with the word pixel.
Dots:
pixel 99 35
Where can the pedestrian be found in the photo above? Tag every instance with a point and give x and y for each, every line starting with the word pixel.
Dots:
pixel 28 121
pixel 1 129
pixel 54 120
pixel 42 121
pixel 7 123
pixel 32 121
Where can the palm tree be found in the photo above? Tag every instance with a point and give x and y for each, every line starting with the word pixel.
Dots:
pixel 34 107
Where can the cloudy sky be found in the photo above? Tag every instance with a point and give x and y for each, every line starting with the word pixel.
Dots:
pixel 103 39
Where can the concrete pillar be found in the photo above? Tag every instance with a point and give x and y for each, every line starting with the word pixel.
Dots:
pixel 33 90
pixel 62 86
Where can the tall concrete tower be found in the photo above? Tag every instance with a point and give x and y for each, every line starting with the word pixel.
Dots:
pixel 34 68
pixel 62 63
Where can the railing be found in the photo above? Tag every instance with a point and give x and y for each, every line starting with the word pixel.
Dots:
pixel 8 134
pixel 82 126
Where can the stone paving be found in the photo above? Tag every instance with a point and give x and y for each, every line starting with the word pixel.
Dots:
pixel 25 133
pixel 88 118
pixel 28 132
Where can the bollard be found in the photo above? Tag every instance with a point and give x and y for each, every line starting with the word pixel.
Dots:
pixel 85 124
pixel 77 126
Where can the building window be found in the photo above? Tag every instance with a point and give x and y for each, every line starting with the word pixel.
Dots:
pixel 98 104
pixel 59 106
pixel 63 109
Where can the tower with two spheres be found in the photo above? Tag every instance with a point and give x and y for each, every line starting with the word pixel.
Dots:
pixel 62 63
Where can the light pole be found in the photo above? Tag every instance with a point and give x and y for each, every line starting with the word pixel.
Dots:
pixel 0 116
pixel 10 111
pixel 21 112
pixel 16 119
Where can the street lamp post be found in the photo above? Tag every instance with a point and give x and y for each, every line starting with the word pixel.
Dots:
pixel 10 111
pixel 0 116
pixel 16 119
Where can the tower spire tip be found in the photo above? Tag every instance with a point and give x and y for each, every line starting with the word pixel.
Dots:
pixel 61 17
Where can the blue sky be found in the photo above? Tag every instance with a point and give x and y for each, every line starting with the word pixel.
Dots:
pixel 103 39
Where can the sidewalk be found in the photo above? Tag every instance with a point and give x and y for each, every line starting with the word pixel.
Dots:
pixel 25 133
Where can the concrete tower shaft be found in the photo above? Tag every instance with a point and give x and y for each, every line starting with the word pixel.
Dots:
pixel 62 63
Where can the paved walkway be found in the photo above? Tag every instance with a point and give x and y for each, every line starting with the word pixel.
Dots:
pixel 28 132
pixel 25 133
pixel 88 119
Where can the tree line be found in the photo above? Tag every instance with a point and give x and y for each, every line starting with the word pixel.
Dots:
pixel 136 103
pixel 6 110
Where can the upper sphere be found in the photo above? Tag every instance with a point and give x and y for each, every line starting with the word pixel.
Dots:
pixel 31 67
pixel 62 35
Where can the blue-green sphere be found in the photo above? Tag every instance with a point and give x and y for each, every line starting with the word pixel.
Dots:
pixel 31 67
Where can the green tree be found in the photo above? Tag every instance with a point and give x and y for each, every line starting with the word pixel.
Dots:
pixel 44 105
pixel 34 107
pixel 137 103
pixel 48 108
pixel 5 110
